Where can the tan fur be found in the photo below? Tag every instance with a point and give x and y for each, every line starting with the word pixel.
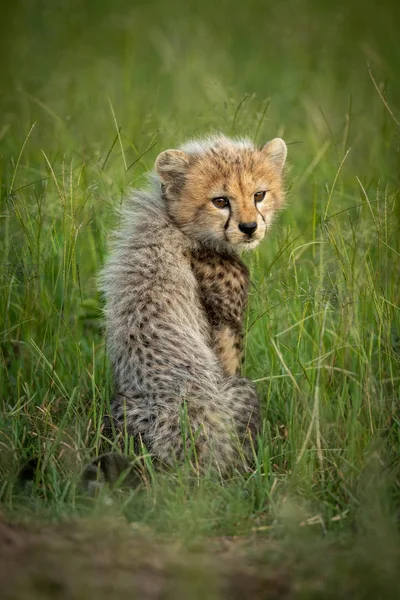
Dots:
pixel 227 346
pixel 223 169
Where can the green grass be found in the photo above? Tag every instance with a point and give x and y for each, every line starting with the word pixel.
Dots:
pixel 91 94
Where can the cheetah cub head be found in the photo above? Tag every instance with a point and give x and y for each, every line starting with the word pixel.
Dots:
pixel 221 192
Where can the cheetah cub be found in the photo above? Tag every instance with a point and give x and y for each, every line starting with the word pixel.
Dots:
pixel 176 292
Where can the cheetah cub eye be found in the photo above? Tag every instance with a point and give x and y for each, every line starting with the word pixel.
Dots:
pixel 259 196
pixel 221 202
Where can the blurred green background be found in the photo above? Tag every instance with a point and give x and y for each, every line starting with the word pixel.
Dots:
pixel 90 93
pixel 108 85
pixel 175 69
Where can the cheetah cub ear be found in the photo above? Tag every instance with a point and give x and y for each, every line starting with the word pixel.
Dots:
pixel 276 152
pixel 171 164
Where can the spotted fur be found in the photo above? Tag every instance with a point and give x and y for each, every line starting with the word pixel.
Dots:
pixel 176 292
pixel 223 285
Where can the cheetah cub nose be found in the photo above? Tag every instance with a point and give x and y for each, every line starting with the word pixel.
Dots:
pixel 248 228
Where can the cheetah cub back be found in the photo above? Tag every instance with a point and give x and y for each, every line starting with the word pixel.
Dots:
pixel 176 291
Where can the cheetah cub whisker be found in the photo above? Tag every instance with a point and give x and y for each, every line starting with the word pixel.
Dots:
pixel 176 292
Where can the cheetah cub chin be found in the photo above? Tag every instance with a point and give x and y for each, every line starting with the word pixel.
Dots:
pixel 176 292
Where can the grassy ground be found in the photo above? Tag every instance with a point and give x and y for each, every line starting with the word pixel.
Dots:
pixel 91 93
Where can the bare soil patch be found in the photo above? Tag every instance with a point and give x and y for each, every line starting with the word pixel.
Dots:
pixel 116 560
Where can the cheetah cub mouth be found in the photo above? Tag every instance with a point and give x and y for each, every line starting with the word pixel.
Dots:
pixel 223 192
